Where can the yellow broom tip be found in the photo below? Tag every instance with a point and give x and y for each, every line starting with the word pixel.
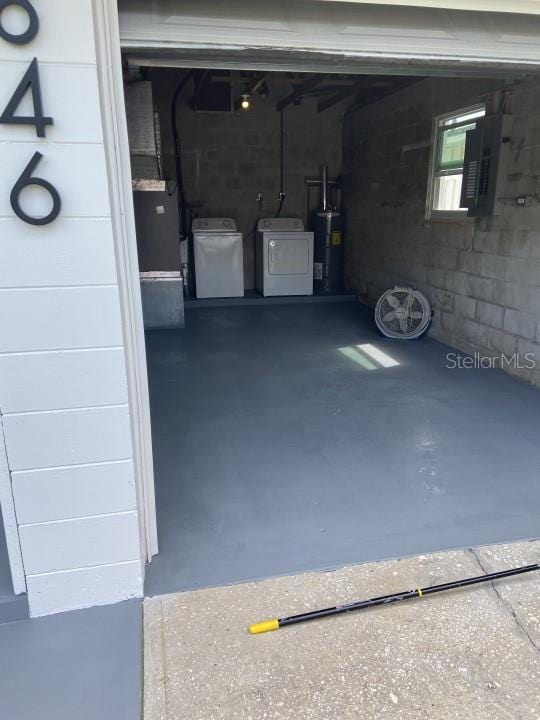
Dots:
pixel 263 627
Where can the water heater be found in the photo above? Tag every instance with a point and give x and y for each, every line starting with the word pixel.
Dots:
pixel 328 253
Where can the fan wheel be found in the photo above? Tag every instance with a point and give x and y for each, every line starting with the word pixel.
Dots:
pixel 402 313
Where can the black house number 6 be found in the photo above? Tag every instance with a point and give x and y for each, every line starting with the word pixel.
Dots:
pixel 30 81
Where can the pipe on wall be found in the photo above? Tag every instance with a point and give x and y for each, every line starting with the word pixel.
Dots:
pixel 182 198
pixel 281 163
pixel 324 187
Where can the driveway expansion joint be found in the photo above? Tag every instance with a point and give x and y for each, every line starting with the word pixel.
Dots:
pixel 505 603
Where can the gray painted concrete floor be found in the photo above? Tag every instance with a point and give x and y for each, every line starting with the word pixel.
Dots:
pixel 6 586
pixel 12 607
pixel 275 453
pixel 85 664
pixel 469 653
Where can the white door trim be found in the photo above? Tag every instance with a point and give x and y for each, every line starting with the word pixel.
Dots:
pixel 9 517
pixel 109 69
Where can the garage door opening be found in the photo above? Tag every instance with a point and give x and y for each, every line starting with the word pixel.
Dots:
pixel 288 434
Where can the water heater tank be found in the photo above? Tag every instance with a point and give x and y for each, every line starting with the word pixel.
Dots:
pixel 328 253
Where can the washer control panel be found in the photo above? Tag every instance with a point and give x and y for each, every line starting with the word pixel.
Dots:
pixel 213 225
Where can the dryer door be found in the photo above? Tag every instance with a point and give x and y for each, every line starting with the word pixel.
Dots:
pixel 289 254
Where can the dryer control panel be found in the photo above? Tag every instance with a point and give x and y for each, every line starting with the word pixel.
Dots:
pixel 280 225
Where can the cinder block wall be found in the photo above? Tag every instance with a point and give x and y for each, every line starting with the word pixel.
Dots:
pixel 482 277
pixel 229 157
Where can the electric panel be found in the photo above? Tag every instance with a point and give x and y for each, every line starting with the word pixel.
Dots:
pixel 487 148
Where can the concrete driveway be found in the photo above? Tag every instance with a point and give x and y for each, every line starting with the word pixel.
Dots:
pixel 467 653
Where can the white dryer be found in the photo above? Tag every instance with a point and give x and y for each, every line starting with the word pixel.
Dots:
pixel 219 258
pixel 284 257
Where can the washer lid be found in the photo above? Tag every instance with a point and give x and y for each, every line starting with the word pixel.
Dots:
pixel 281 224
pixel 209 225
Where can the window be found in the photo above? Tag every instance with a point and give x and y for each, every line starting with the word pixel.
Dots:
pixel 446 166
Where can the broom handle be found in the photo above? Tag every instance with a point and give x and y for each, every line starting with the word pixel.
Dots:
pixel 387 599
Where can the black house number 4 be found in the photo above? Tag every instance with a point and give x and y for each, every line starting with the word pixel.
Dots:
pixel 29 82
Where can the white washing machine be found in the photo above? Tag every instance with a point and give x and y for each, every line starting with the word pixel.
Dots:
pixel 284 256
pixel 219 258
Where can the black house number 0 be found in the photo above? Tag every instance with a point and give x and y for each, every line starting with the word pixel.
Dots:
pixel 30 81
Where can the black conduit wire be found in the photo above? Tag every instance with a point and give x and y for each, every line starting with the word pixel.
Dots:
pixel 182 199
pixel 281 165
pixel 253 232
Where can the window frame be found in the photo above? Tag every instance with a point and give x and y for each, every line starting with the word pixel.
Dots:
pixel 433 215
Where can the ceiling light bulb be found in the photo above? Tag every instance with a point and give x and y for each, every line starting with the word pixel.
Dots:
pixel 245 102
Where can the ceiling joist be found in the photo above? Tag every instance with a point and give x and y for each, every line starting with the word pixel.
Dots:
pixel 300 90
pixel 377 92
pixel 361 83
pixel 343 92
pixel 256 84
pixel 201 76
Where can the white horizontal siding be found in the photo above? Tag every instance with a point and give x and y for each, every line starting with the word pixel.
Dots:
pixel 72 589
pixel 89 378
pixel 71 492
pixel 77 171
pixel 70 251
pixel 83 542
pixel 59 318
pixel 70 97
pixel 65 32
pixel 67 437
pixel 62 369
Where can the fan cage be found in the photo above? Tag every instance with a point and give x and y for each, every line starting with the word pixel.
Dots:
pixel 402 313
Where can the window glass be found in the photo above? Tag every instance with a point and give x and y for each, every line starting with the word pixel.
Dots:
pixel 447 163
pixel 452 147
pixel 447 194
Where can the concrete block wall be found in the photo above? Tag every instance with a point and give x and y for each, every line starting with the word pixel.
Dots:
pixel 228 158
pixel 63 388
pixel 481 276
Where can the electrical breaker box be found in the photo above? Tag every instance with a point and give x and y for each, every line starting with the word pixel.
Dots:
pixel 487 149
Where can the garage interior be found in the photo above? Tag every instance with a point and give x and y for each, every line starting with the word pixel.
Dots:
pixel 288 433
